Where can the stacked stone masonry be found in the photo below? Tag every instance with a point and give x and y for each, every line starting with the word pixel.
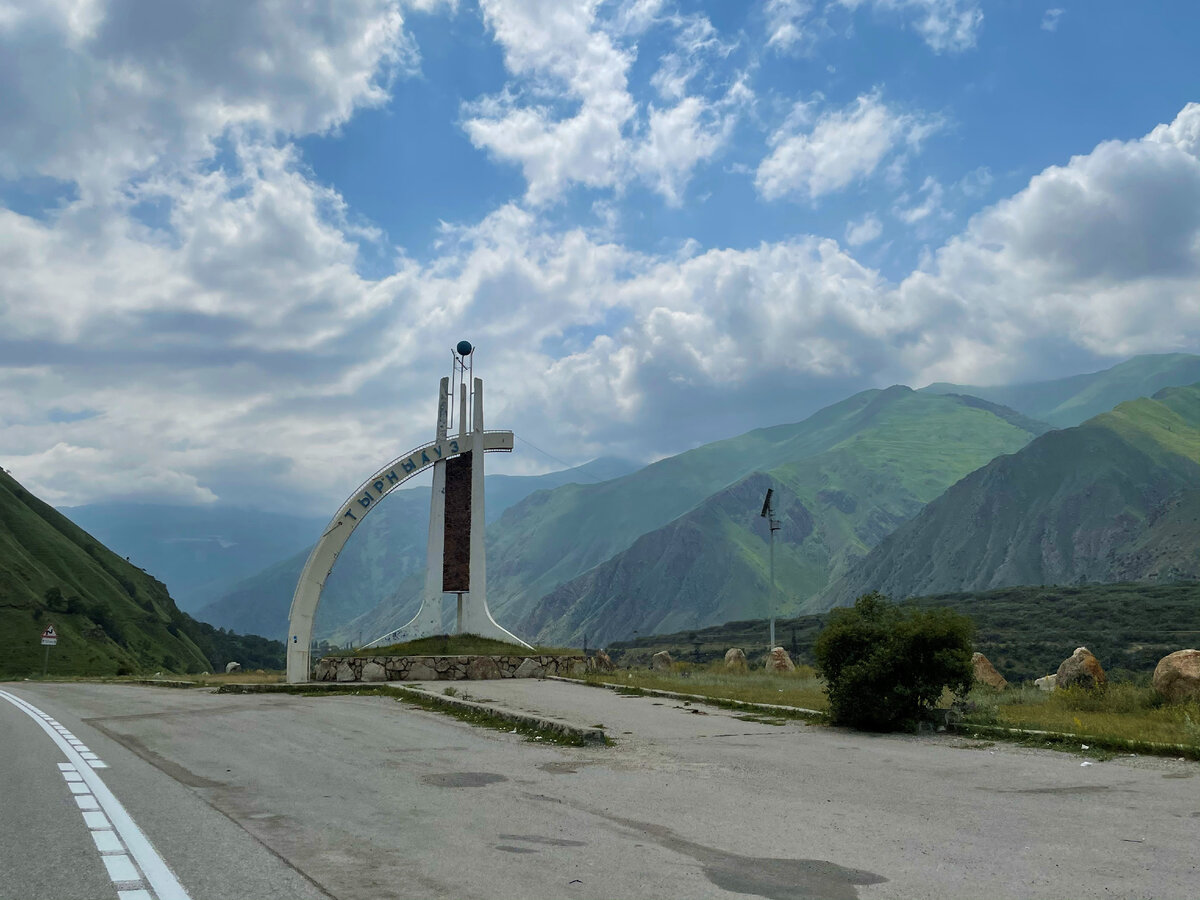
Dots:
pixel 447 668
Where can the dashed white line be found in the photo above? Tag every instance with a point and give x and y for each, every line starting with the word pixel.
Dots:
pixel 110 818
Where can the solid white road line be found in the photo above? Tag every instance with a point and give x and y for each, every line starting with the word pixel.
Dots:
pixel 160 877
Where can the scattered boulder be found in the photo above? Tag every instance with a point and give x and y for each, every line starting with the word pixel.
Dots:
pixel 345 671
pixel 1081 669
pixel 373 671
pixel 735 660
pixel 779 661
pixel 985 672
pixel 529 668
pixel 233 667
pixel 661 661
pixel 1046 683
pixel 482 668
pixel 602 663
pixel 1177 676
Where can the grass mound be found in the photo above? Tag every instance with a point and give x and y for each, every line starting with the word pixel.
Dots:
pixel 455 645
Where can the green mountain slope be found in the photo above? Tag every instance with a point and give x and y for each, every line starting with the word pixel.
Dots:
pixel 110 615
pixel 1114 499
pixel 710 565
pixel 1069 401
pixel 382 552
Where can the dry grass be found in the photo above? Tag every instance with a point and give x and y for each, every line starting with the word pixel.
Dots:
pixel 455 645
pixel 257 676
pixel 1121 713
pixel 800 688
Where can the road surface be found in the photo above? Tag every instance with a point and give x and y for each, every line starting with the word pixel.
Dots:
pixel 279 796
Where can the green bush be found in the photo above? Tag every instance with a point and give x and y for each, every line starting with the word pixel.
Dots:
pixel 885 665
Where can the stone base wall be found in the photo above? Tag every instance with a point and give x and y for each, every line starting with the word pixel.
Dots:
pixel 446 668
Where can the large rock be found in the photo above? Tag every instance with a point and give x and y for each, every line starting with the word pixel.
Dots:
pixel 482 668
pixel 661 661
pixel 779 661
pixel 345 671
pixel 602 663
pixel 1046 683
pixel 233 667
pixel 985 672
pixel 1177 676
pixel 373 671
pixel 1081 669
pixel 735 660
pixel 530 668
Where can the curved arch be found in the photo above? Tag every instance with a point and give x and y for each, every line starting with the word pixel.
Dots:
pixel 356 508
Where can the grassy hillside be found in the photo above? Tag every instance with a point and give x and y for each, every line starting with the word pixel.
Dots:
pixel 1065 402
pixel 1114 499
pixel 711 564
pixel 1025 631
pixel 111 617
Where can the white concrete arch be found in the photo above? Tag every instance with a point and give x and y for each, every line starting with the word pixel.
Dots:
pixel 357 507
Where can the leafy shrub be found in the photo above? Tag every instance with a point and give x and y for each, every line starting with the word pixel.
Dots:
pixel 884 665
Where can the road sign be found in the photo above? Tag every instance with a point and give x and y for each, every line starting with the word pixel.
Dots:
pixel 49 637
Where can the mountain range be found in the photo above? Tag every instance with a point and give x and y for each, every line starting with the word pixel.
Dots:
pixel 680 544
pixel 1114 499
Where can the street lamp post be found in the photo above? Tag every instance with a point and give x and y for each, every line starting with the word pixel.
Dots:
pixel 768 513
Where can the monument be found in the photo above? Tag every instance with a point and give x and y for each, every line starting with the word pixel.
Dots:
pixel 455 561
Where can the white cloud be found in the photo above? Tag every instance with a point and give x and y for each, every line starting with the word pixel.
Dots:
pixel 947 26
pixel 842 147
pixel 1050 19
pixel 1101 255
pixel 789 25
pixel 929 204
pixel 568 117
pixel 140 82
pixel 865 230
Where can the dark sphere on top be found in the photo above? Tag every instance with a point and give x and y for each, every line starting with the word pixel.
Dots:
pixel 464 348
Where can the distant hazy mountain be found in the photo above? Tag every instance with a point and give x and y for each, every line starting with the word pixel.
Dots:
pixel 110 616
pixel 1114 499
pixel 1069 401
pixel 893 451
pixel 197 551
pixel 387 547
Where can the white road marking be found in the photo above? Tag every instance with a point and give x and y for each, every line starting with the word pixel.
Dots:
pixel 107 842
pixel 159 876
pixel 120 867
pixel 87 801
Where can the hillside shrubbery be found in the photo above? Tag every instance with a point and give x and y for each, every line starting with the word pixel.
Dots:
pixel 884 665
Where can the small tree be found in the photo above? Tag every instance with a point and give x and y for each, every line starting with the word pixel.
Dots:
pixel 884 665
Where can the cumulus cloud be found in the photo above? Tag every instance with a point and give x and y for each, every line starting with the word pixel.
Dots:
pixel 137 82
pixel 842 147
pixel 568 117
pixel 229 346
pixel 865 230
pixel 947 26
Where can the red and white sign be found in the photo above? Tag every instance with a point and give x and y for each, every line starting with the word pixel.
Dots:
pixel 49 636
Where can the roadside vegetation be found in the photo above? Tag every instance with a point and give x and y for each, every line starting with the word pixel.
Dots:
pixel 1122 716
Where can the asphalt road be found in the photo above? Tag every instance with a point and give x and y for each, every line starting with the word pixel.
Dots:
pixel 263 796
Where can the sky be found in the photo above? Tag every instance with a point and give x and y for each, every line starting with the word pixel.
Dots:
pixel 238 240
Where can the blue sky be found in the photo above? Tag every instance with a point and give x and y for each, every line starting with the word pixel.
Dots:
pixel 238 240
